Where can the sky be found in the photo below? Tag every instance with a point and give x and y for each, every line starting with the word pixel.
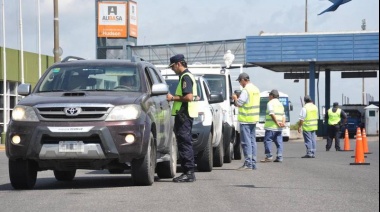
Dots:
pixel 174 21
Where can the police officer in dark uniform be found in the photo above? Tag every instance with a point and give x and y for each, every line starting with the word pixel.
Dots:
pixel 334 117
pixel 184 109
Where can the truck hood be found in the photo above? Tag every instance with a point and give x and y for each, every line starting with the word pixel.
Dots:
pixel 114 98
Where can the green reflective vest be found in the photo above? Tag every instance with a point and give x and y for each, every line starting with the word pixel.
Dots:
pixel 191 106
pixel 279 112
pixel 334 118
pixel 311 120
pixel 250 111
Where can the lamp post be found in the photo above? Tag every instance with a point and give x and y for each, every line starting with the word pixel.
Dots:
pixel 306 31
pixel 56 32
pixel 363 94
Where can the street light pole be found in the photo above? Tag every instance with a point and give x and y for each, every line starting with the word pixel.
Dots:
pixel 56 32
pixel 364 26
pixel 306 31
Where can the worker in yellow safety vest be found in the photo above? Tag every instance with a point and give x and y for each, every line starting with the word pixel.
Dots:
pixel 248 103
pixel 274 122
pixel 334 117
pixel 308 121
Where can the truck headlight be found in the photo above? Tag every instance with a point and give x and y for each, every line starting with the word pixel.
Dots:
pixel 24 113
pixel 124 112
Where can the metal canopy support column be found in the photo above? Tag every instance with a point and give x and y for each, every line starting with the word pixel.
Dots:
pixel 312 80
pixel 327 89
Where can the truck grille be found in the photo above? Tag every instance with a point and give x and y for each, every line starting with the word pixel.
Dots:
pixel 73 113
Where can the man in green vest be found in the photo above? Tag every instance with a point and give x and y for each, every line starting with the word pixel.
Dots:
pixel 334 116
pixel 249 111
pixel 185 109
pixel 274 122
pixel 309 122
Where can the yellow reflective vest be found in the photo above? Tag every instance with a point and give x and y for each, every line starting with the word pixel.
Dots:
pixel 191 106
pixel 250 111
pixel 311 120
pixel 334 118
pixel 279 112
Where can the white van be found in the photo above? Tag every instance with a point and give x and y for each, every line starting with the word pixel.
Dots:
pixel 219 80
pixel 206 135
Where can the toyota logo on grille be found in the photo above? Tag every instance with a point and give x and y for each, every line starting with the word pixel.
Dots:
pixel 73 111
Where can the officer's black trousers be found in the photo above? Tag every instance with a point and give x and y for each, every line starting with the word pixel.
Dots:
pixel 182 130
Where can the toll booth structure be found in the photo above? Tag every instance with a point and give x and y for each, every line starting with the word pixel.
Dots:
pixel 304 55
pixel 372 120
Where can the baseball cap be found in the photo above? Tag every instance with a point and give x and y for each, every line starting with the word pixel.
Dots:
pixel 242 76
pixel 274 93
pixel 176 58
pixel 336 104
pixel 307 99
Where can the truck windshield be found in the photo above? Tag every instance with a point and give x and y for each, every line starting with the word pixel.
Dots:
pixel 217 84
pixel 263 107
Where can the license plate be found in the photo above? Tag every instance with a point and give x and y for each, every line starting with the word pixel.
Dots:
pixel 71 146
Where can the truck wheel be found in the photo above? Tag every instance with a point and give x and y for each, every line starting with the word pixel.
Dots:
pixel 228 154
pixel 64 175
pixel 204 157
pixel 22 174
pixel 168 169
pixel 143 168
pixel 218 154
pixel 237 147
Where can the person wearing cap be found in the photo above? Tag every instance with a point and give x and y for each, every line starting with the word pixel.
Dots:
pixel 274 122
pixel 334 116
pixel 185 109
pixel 308 121
pixel 248 103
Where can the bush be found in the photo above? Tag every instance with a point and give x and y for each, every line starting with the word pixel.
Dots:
pixel 294 126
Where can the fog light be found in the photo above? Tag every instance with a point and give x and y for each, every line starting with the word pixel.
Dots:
pixel 16 139
pixel 130 139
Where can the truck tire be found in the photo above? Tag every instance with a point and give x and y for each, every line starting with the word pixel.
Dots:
pixel 228 153
pixel 218 154
pixel 143 169
pixel 64 175
pixel 22 174
pixel 168 169
pixel 205 158
pixel 237 147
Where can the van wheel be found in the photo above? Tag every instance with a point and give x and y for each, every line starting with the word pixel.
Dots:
pixel 22 174
pixel 228 153
pixel 143 168
pixel 237 147
pixel 64 175
pixel 168 169
pixel 218 154
pixel 204 157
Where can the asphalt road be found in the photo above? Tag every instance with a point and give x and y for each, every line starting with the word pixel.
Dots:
pixel 326 183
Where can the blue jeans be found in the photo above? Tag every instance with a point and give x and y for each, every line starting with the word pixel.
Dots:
pixel 276 137
pixel 310 142
pixel 248 144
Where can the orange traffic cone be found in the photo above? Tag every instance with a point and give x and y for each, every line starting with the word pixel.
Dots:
pixel 346 142
pixel 359 153
pixel 365 143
